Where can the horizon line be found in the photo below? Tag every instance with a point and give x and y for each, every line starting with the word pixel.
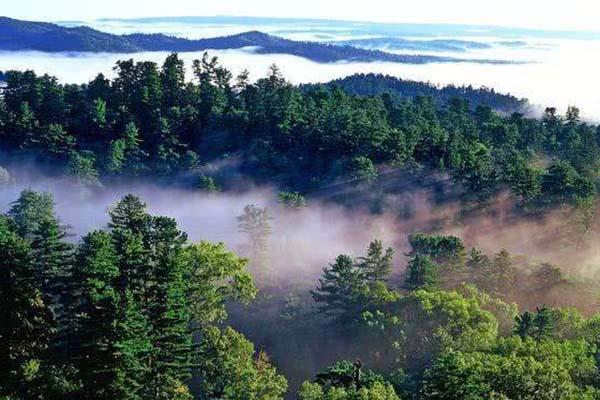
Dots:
pixel 309 19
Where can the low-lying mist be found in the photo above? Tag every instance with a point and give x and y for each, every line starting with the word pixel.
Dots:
pixel 303 241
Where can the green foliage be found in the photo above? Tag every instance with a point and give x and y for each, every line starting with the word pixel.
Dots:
pixel 346 380
pixel 505 313
pixel 562 182
pixel 339 291
pixel 35 221
pixel 421 273
pixel 29 211
pixel 26 320
pixel 347 375
pixel 477 260
pixel 424 324
pixel 538 325
pixel 229 368
pixel 362 170
pixel 516 370
pixel 136 312
pixel 292 200
pixel 446 251
pixel 379 391
pixel 82 167
pixel 116 156
pixel 112 333
pixel 215 276
pixel 377 265
pixel 208 184
pixel 54 139
pixel 154 272
pixel 434 261
pixel 350 288
pixel 501 276
pixel 125 155
pixel 98 116
pixel 118 319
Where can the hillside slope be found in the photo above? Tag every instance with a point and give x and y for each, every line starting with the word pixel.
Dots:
pixel 378 84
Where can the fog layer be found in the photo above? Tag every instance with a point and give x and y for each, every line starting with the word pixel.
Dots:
pixel 304 241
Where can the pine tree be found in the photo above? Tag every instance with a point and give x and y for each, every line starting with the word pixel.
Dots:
pixel 53 256
pixel 421 273
pixel 524 325
pixel 33 214
pixel 377 265
pixel 130 213
pixel 129 227
pixel 169 313
pixel 35 221
pixel 29 210
pixel 97 305
pixel 153 270
pixel 502 272
pixel 111 332
pixel 26 321
pixel 172 78
pixel 339 290
pixel 133 155
pixel 538 325
pixel 134 347
pixel 543 323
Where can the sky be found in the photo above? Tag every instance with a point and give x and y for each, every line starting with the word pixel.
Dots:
pixel 539 14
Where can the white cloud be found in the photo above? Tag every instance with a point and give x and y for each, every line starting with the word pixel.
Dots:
pixel 554 14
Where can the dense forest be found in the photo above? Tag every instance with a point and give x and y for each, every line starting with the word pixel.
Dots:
pixel 136 310
pixel 149 122
pixel 378 84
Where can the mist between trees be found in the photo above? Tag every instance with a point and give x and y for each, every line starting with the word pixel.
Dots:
pixel 551 259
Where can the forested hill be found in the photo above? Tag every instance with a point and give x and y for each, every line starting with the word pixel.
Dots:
pixel 24 35
pixel 148 122
pixel 378 84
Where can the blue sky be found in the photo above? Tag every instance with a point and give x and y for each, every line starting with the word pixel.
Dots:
pixel 547 14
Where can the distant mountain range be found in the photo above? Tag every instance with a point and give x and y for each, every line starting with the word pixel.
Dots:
pixel 24 35
pixel 378 84
pixel 359 28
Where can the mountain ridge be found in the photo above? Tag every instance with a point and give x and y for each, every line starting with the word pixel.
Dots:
pixel 18 35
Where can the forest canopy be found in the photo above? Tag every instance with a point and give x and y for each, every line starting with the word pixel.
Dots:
pixel 136 310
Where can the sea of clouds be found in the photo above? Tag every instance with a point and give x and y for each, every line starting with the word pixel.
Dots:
pixel 556 72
